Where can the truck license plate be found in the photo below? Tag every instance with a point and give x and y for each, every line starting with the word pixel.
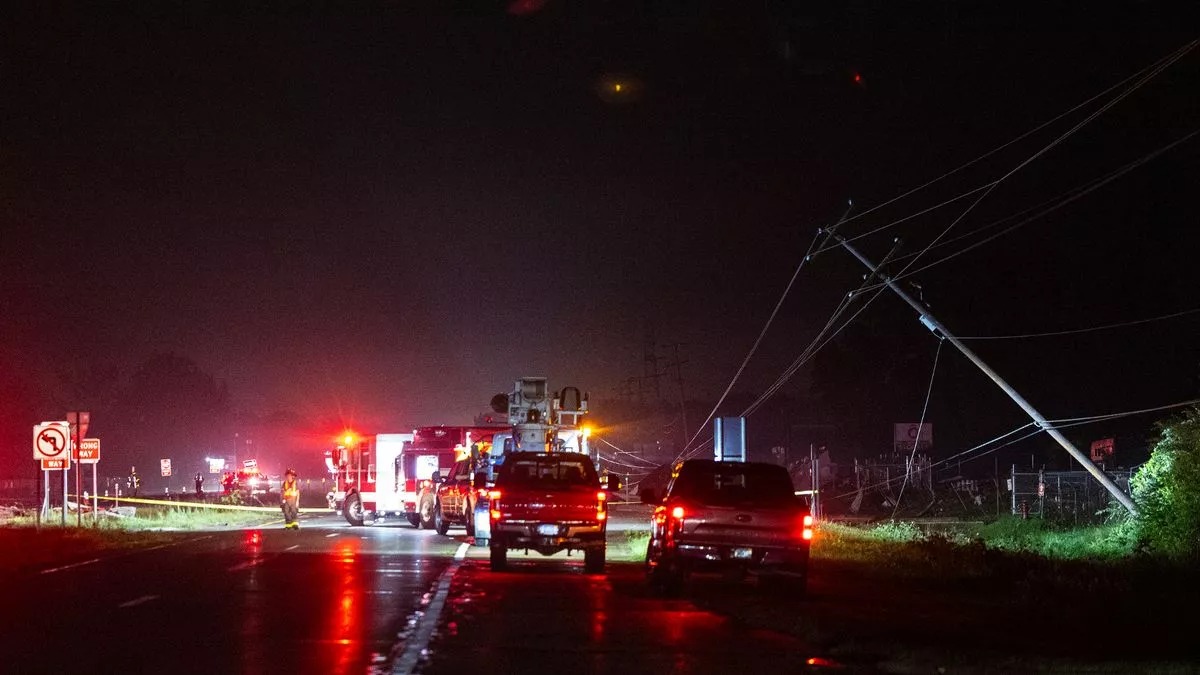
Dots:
pixel 548 530
pixel 742 552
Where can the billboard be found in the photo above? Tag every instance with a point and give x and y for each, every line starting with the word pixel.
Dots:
pixel 906 435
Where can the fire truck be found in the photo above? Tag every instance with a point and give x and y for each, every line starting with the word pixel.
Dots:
pixel 368 484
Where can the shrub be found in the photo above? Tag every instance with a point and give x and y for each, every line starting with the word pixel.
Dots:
pixel 1167 490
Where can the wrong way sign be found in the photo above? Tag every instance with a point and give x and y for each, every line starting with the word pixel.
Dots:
pixel 88 451
pixel 165 466
pixel 52 440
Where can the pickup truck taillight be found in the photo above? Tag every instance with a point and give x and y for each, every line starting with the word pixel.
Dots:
pixel 494 504
pixel 806 528
pixel 601 505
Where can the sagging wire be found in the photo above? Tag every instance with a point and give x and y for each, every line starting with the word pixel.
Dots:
pixel 920 425
pixel 1153 67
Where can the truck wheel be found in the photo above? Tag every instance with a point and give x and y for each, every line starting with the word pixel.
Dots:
pixel 413 519
pixel 499 558
pixel 425 508
pixel 469 512
pixel 593 560
pixel 353 509
pixel 439 521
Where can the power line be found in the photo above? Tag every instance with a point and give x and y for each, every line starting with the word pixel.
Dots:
pixel 921 424
pixel 1066 198
pixel 1077 331
pixel 761 334
pixel 1174 55
pixel 1052 144
pixel 1128 413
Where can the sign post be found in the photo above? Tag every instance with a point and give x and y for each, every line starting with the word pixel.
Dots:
pixel 89 453
pixel 79 424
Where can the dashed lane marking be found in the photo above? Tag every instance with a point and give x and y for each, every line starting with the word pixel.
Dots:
pixel 67 567
pixel 138 601
pixel 293 547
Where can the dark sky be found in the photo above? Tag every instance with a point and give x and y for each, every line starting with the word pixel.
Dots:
pixel 392 210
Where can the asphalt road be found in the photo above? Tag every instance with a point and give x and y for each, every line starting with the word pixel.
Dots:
pixel 333 599
pixel 324 599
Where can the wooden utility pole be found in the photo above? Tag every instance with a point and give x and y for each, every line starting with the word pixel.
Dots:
pixel 928 320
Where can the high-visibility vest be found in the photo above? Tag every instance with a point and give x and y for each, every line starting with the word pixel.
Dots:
pixel 291 489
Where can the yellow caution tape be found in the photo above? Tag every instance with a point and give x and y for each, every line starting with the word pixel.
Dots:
pixel 203 505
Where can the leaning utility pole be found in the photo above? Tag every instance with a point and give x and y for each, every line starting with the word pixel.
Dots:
pixel 935 326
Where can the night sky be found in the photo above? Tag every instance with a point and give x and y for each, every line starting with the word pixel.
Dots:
pixel 380 214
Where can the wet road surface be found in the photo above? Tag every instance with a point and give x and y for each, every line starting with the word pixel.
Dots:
pixel 325 599
pixel 545 615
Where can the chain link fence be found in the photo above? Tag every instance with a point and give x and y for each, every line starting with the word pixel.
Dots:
pixel 1069 496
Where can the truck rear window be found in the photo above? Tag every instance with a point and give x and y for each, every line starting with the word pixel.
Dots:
pixel 555 471
pixel 734 483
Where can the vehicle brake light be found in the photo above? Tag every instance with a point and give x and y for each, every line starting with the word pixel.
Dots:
pixel 601 505
pixel 494 507
pixel 677 513
pixel 806 532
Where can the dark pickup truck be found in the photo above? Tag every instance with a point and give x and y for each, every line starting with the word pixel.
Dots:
pixel 731 517
pixel 548 502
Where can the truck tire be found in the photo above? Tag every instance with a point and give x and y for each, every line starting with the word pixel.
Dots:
pixel 425 511
pixel 352 509
pixel 413 519
pixel 469 513
pixel 499 558
pixel 593 560
pixel 439 521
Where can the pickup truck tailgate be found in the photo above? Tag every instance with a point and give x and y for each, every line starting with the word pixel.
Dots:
pixel 751 526
pixel 550 506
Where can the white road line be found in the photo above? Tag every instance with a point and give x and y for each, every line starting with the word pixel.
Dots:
pixel 138 601
pixel 293 547
pixel 418 644
pixel 52 570
pixel 67 567
pixel 246 565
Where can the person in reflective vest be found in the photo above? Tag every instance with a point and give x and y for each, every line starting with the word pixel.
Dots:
pixel 291 500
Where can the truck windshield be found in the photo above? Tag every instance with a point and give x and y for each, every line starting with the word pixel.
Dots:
pixel 548 471
pixel 734 483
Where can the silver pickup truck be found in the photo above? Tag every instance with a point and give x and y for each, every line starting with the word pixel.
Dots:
pixel 740 518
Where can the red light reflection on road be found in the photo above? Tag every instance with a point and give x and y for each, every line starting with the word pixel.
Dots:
pixel 680 626
pixel 599 591
pixel 346 623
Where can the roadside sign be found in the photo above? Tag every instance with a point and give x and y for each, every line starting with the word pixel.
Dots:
pixel 56 464
pixel 79 422
pixel 165 466
pixel 1102 450
pixel 88 451
pixel 51 440
pixel 250 464
pixel 906 435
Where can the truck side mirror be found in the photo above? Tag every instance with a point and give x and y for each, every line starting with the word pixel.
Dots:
pixel 436 477
pixel 647 496
pixel 612 482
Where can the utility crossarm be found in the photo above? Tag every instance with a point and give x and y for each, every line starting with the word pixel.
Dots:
pixel 936 326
